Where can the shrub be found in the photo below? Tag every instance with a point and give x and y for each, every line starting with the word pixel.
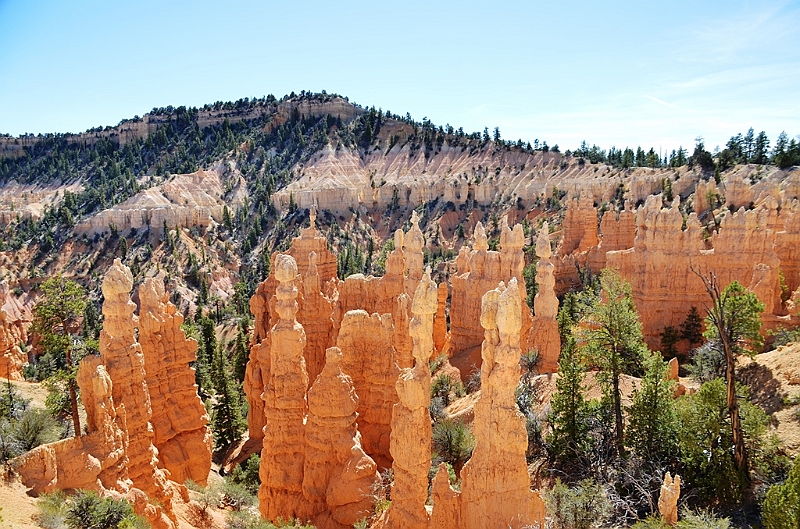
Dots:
pixel 453 442
pixel 88 511
pixel 236 496
pixel 702 520
pixel 474 380
pixel 446 388
pixel 782 503
pixel 35 428
pixel 246 474
pixel 579 507
pixel 51 510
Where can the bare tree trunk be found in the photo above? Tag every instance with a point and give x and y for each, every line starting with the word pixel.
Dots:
pixel 739 454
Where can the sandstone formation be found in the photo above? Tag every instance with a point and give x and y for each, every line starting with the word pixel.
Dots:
pixel 95 461
pixel 285 408
pixel 315 315
pixel 656 248
pixel 495 487
pixel 11 336
pixel 479 271
pixel 339 479
pixel 180 422
pixel 368 356
pixel 446 502
pixel 186 200
pixel 668 499
pixel 440 319
pixel 411 422
pixel 412 249
pixel 124 361
pixel 659 265
pixel 545 334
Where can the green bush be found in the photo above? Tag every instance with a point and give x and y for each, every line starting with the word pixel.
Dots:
pixel 579 507
pixel 88 511
pixel 246 474
pixel 51 510
pixel 35 428
pixel 701 520
pixel 236 496
pixel 782 503
pixel 453 442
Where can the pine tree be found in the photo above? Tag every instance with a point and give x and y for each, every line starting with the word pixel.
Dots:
pixel 652 432
pixel 205 354
pixel 242 351
pixel 227 421
pixel 692 327
pixel 611 334
pixel 569 439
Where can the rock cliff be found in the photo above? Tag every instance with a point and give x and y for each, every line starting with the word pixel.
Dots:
pixel 12 335
pixel 369 357
pixel 95 461
pixel 479 271
pixel 339 478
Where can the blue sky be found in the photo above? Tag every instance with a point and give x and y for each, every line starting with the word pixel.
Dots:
pixel 613 73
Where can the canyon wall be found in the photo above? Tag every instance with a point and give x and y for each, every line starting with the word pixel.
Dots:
pixel 656 248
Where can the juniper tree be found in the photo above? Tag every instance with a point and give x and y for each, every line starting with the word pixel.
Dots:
pixel 734 322
pixel 55 319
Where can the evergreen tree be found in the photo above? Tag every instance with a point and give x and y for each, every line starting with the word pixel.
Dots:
pixel 242 351
pixel 734 322
pixel 761 149
pixel 652 432
pixel 60 306
pixel 205 354
pixel 782 504
pixel 569 439
pixel 669 337
pixel 692 327
pixel 611 334
pixel 227 422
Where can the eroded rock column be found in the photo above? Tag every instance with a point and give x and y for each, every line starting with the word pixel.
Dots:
pixel 180 422
pixel 411 421
pixel 545 335
pixel 283 454
pixel 495 484
pixel 11 356
pixel 124 361
pixel 370 359
pixel 339 478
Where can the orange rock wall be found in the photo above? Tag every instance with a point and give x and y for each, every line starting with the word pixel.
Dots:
pixel 479 271
pixel 11 336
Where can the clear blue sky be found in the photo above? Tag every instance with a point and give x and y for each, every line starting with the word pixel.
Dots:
pixel 613 73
